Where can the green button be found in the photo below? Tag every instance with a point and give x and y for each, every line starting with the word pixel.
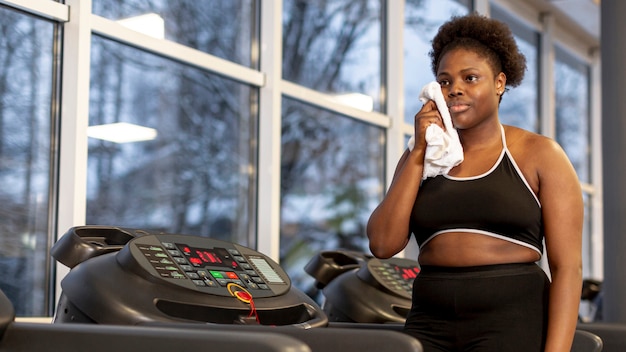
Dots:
pixel 217 274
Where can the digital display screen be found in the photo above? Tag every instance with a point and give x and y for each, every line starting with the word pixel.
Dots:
pixel 266 270
pixel 204 257
pixel 407 273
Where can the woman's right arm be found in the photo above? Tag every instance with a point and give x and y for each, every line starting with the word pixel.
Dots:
pixel 388 226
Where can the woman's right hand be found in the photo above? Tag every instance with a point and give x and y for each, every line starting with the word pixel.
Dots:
pixel 427 115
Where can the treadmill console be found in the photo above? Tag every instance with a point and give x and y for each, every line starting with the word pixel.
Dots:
pixel 395 275
pixel 360 288
pixel 130 276
pixel 204 265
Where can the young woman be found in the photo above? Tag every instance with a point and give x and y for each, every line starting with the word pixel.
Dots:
pixel 481 228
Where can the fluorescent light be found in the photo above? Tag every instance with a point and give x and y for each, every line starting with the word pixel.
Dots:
pixel 149 24
pixel 355 100
pixel 121 132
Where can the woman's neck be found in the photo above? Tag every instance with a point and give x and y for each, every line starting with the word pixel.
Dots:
pixel 481 137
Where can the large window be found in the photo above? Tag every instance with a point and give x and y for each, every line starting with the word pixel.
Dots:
pixel 331 165
pixel 571 77
pixel 572 111
pixel 520 105
pixel 422 19
pixel 335 47
pixel 331 172
pixel 26 160
pixel 185 167
pixel 190 107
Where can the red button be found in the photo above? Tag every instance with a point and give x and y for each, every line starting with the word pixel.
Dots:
pixel 244 296
pixel 231 275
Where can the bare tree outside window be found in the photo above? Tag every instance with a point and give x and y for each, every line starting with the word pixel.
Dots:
pixel 332 166
pixel 572 112
pixel 520 105
pixel 422 19
pixel 573 132
pixel 25 159
pixel 194 177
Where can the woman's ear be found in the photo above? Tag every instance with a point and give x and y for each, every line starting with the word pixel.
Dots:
pixel 500 83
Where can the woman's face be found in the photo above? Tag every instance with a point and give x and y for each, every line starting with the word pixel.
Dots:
pixel 470 87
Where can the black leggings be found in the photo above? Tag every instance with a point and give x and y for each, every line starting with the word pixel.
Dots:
pixel 491 308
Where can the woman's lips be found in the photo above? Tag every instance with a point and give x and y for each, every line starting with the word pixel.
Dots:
pixel 457 108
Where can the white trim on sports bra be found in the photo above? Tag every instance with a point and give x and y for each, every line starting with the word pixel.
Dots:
pixel 481 232
pixel 505 150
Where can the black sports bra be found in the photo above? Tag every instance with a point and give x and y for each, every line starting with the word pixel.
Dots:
pixel 498 203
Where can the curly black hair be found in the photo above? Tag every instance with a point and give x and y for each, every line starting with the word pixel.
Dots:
pixel 485 36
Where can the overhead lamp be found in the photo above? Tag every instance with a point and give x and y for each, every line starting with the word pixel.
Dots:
pixel 151 24
pixel 122 132
pixel 356 100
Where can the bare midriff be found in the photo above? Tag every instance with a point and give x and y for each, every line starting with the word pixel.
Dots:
pixel 470 249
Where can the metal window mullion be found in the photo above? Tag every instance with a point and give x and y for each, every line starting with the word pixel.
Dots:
pixel 47 9
pixel 547 97
pixel 597 210
pixel 395 103
pixel 482 7
pixel 113 30
pixel 325 101
pixel 72 196
pixel 398 128
pixel 269 142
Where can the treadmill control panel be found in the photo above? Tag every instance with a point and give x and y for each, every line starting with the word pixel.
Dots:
pixel 394 274
pixel 205 265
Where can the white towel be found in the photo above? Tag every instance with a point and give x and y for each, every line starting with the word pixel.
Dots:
pixel 443 150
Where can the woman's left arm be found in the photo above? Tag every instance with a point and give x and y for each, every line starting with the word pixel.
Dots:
pixel 562 206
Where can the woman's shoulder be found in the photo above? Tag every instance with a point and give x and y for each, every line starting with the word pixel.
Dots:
pixel 531 142
pixel 534 150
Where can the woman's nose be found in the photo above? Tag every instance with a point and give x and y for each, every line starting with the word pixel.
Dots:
pixel 454 90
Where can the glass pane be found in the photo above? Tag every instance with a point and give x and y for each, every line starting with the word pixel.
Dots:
pixel 520 105
pixel 25 145
pixel 572 111
pixel 422 19
pixel 332 178
pixel 191 171
pixel 224 28
pixel 334 47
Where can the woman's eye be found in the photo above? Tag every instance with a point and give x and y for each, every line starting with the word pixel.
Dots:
pixel 443 83
pixel 472 78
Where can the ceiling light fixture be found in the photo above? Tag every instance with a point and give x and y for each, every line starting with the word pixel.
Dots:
pixel 150 24
pixel 122 132
pixel 356 100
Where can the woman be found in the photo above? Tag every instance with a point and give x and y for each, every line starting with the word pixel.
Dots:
pixel 481 228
